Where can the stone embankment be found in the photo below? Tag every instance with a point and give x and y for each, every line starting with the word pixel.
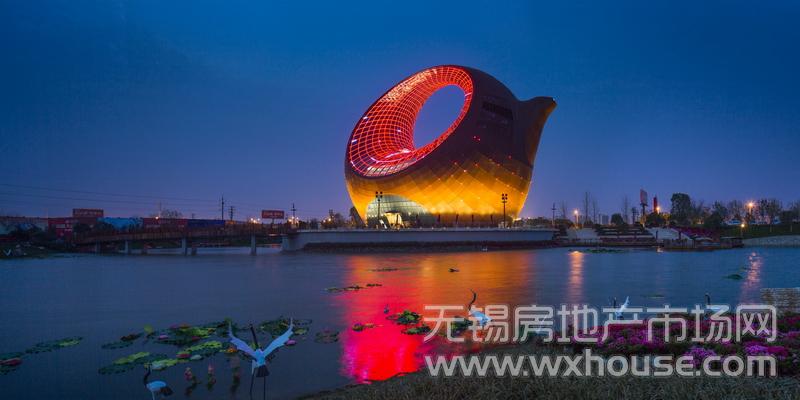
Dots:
pixel 775 241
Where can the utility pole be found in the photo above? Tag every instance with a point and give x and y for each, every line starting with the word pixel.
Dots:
pixel 222 208
pixel 231 213
pixel 554 214
pixel 504 200
pixel 379 197
pixel 294 217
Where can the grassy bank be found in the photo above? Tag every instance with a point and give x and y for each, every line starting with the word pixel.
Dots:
pixel 421 385
pixel 759 231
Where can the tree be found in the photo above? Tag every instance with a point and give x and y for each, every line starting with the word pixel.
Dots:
pixel 563 208
pixel 736 209
pixel 720 208
pixel 699 211
pixel 713 221
pixel 761 209
pixel 681 208
pixel 772 209
pixel 655 219
pixel 617 220
pixel 787 216
pixel 795 207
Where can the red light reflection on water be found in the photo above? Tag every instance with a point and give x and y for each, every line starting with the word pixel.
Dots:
pixel 384 351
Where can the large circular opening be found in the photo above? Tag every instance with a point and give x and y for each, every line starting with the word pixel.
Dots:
pixel 437 114
pixel 384 142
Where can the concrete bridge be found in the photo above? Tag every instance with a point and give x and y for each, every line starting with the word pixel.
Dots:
pixel 187 236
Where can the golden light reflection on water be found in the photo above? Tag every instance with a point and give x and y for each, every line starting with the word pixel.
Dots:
pixel 575 286
pixel 752 277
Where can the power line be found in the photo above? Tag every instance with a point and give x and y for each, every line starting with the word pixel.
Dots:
pixel 102 193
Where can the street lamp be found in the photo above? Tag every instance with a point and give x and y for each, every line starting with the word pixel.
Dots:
pixel 379 197
pixel 576 216
pixel 750 206
pixel 741 230
pixel 504 200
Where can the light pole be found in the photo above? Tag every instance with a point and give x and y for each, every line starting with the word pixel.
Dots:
pixel 504 200
pixel 379 197
pixel 741 230
pixel 750 206
pixel 576 217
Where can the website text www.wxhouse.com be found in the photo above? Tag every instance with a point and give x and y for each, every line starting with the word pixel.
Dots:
pixel 587 364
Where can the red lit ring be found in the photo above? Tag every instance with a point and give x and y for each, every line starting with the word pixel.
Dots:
pixel 382 142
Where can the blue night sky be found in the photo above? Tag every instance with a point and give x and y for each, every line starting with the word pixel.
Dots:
pixel 180 102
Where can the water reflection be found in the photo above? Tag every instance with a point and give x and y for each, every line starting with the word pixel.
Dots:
pixel 752 277
pixel 384 351
pixel 575 283
pixel 92 297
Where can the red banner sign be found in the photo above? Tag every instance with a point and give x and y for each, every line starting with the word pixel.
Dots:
pixel 87 213
pixel 272 214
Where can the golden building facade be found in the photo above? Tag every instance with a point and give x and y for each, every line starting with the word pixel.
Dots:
pixel 482 162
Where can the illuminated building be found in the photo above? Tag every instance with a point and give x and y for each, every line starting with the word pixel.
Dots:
pixel 461 175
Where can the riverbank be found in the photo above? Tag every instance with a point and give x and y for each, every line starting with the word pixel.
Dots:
pixel 774 241
pixel 23 250
pixel 421 385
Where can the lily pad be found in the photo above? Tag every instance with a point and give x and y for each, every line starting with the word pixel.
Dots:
pixel 43 347
pixel 327 336
pixel 358 327
pixel 275 327
pixel 204 349
pixel 115 369
pixel 10 362
pixel 130 337
pixel 406 318
pixel 159 365
pixel 116 345
pixel 131 359
pixel 417 330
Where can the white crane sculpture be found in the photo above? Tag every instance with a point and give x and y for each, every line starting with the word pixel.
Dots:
pixel 258 365
pixel 622 308
pixel 155 387
pixel 482 318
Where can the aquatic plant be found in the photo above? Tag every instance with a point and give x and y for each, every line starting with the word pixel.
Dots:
pixel 54 345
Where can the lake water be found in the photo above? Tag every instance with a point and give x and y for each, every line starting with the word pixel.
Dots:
pixel 102 298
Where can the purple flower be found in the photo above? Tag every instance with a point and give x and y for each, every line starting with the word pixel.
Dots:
pixel 699 354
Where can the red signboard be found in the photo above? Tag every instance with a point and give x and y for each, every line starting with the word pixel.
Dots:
pixel 272 214
pixel 87 213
